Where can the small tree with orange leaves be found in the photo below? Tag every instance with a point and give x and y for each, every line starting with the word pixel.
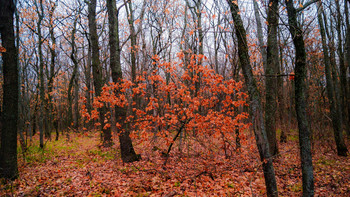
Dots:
pixel 171 109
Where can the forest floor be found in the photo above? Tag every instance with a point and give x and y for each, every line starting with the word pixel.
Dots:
pixel 78 166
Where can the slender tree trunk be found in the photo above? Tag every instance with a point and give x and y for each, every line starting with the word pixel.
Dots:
pixel 97 71
pixel 300 100
pixel 200 43
pixel 9 115
pixel 347 61
pixel 344 89
pixel 334 75
pixel 347 57
pixel 255 103
pixel 271 76
pixel 88 81
pixel 126 148
pixel 217 43
pixel 74 74
pixel 76 102
pixel 260 33
pixel 282 102
pixel 335 114
pixel 34 120
pixel 52 118
pixel 130 14
pixel 22 104
pixel 133 52
pixel 40 12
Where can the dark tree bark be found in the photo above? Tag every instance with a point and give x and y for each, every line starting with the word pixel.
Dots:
pixel 40 12
pixel 134 50
pixel 74 74
pixel 97 71
pixel 76 102
pixel 255 103
pixel 126 148
pixel 52 117
pixel 335 84
pixel 200 42
pixel 9 115
pixel 130 14
pixel 259 30
pixel 282 102
pixel 344 89
pixel 335 111
pixel 87 76
pixel 300 100
pixel 271 76
pixel 347 60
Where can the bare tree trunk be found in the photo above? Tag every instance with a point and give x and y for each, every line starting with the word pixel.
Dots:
pixel 130 14
pixel 347 61
pixel 126 148
pixel 271 76
pixel 200 43
pixel 52 118
pixel 23 105
pixel 335 113
pixel 260 34
pixel 300 100
pixel 40 12
pixel 97 71
pixel 282 100
pixel 87 74
pixel 74 74
pixel 9 115
pixel 344 89
pixel 255 103
pixel 334 74
pixel 76 102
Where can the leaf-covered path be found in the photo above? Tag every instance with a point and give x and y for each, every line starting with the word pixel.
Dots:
pixel 78 167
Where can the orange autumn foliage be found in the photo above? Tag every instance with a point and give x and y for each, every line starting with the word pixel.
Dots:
pixel 211 113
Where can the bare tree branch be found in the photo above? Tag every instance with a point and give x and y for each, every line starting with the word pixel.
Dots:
pixel 307 4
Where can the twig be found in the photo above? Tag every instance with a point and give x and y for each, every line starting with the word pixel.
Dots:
pixel 327 116
pixel 176 136
pixel 307 4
